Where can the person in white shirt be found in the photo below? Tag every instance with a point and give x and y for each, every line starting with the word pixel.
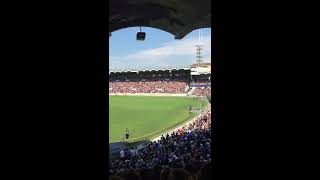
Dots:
pixel 121 154
pixel 132 152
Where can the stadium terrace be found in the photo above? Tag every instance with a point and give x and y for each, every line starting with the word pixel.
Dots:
pixel 162 81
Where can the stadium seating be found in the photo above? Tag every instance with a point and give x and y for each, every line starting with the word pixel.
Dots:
pixel 202 91
pixel 177 81
pixel 189 173
pixel 187 148
pixel 168 87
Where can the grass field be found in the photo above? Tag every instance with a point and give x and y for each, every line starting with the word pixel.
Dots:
pixel 147 117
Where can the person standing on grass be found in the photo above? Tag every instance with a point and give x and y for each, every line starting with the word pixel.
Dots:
pixel 127 133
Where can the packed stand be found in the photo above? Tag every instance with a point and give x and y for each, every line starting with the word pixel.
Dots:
pixel 188 148
pixel 168 87
pixel 189 173
pixel 202 91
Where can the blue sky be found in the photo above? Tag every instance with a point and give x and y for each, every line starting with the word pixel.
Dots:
pixel 159 50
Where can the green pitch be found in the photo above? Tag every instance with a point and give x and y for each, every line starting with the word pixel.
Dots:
pixel 147 117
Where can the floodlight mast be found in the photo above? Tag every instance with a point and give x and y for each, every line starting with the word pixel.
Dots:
pixel 199 49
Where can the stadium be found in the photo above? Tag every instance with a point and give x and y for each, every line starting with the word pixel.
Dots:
pixel 142 99
pixel 160 118
pixel 147 104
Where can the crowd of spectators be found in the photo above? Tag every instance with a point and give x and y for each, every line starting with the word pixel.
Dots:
pixel 184 150
pixel 152 87
pixel 168 87
pixel 190 173
pixel 202 91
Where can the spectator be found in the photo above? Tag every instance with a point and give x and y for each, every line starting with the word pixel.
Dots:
pixel 175 174
pixel 188 145
pixel 122 154
pixel 203 91
pixel 150 87
pixel 205 172
pixel 148 174
pixel 129 175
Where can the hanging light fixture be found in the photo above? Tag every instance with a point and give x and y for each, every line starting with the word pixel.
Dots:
pixel 141 35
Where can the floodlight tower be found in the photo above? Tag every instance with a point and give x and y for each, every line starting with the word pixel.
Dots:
pixel 199 49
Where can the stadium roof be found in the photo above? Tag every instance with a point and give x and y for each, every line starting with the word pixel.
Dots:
pixel 146 70
pixel 178 17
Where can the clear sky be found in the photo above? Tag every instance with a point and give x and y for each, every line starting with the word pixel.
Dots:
pixel 159 50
